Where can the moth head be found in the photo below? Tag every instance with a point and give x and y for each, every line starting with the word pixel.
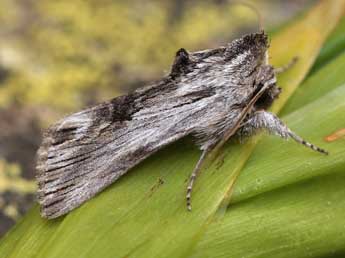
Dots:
pixel 255 45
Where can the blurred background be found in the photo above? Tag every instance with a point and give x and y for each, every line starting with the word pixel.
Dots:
pixel 57 57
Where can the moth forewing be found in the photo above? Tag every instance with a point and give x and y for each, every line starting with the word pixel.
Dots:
pixel 208 94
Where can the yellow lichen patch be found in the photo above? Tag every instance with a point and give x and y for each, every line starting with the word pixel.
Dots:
pixel 72 48
pixel 11 211
pixel 10 179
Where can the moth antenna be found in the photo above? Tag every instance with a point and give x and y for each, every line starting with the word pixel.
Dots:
pixel 287 66
pixel 193 177
pixel 254 9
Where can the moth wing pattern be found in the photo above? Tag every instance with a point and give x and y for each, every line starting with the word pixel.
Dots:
pixel 203 96
pixel 82 154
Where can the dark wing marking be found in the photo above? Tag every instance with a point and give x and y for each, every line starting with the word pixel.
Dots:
pixel 85 152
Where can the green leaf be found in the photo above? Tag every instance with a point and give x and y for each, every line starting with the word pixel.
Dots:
pixel 288 203
pixel 327 78
pixel 297 164
pixel 334 46
pixel 144 213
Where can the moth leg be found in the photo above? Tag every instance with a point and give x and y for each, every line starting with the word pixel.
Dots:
pixel 193 176
pixel 287 66
pixel 270 122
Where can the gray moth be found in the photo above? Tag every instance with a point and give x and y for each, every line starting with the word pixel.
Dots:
pixel 211 95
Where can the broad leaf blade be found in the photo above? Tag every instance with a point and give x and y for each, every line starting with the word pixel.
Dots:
pixel 303 40
pixel 296 162
pixel 301 208
pixel 334 46
pixel 318 84
pixel 303 220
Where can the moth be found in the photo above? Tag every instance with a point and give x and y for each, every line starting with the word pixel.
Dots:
pixel 212 95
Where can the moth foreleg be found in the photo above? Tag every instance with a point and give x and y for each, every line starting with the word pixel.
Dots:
pixel 287 66
pixel 271 123
pixel 194 175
